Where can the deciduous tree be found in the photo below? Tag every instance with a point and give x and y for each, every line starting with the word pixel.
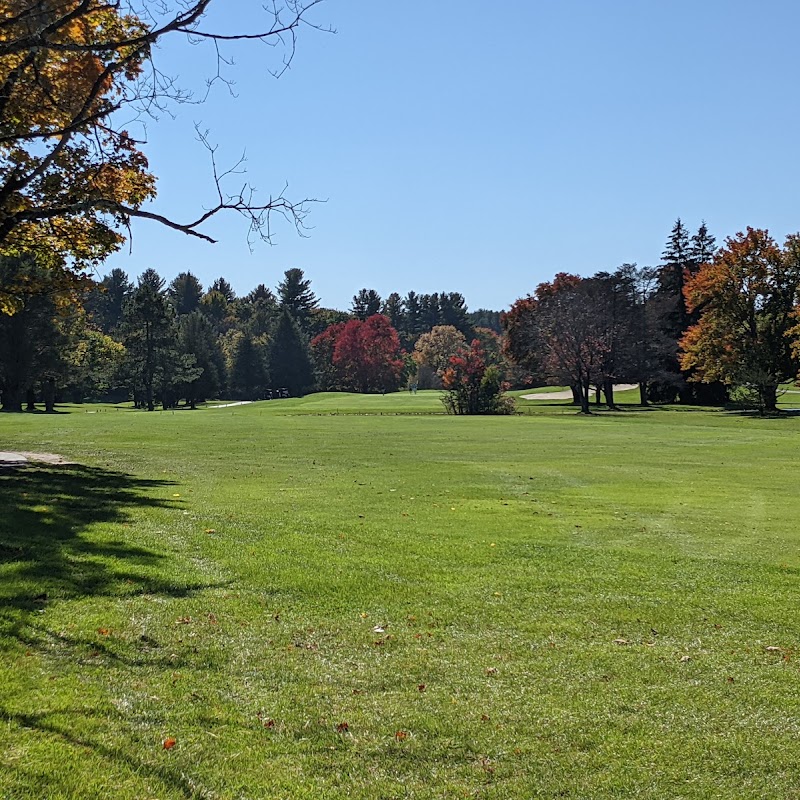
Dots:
pixel 71 176
pixel 746 299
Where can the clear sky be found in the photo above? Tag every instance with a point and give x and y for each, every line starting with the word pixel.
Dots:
pixel 482 147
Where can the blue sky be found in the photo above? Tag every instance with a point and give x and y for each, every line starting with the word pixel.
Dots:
pixel 482 147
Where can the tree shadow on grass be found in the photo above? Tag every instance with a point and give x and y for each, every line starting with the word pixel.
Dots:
pixel 61 726
pixel 44 510
pixel 48 555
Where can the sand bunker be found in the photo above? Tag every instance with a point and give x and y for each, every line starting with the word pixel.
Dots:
pixel 567 395
pixel 15 458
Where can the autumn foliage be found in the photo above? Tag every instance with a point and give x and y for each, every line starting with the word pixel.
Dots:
pixel 473 388
pixel 746 298
pixel 360 356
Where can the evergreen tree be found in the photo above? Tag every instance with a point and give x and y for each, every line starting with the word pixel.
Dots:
pixel 674 317
pixel 261 292
pixel 295 295
pixel 248 377
pixel 224 288
pixel 290 361
pixel 152 279
pixel 412 325
pixel 453 311
pixel 196 338
pixel 702 249
pixel 214 307
pixel 185 292
pixel 106 301
pixel 429 310
pixel 393 310
pixel 366 303
pixel 149 336
pixel 32 342
pixel 485 318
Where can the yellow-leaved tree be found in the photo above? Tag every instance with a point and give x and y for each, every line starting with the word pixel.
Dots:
pixel 71 176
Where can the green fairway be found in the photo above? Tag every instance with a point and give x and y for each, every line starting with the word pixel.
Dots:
pixel 356 596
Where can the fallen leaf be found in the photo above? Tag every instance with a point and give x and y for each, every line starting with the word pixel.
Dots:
pixel 378 629
pixel 621 641
pixel 183 621
pixel 684 659
pixel 421 687
pixel 401 736
pixel 773 649
pixel 176 495
pixel 342 727
pixel 491 671
pixel 211 530
pixel 104 631
pixel 169 743
pixel 484 717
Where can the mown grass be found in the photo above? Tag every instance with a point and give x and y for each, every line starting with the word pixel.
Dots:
pixel 319 599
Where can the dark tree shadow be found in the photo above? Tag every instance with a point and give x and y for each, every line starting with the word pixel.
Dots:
pixel 44 509
pixel 47 555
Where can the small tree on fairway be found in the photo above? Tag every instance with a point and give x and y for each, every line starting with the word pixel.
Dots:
pixel 472 387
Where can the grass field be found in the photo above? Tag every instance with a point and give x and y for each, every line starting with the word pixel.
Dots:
pixel 346 596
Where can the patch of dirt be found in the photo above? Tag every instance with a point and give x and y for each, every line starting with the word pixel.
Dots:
pixel 10 458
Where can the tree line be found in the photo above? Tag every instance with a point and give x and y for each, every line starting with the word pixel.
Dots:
pixel 706 325
pixel 163 344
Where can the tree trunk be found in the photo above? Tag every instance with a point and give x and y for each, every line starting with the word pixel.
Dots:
pixel 12 399
pixel 50 395
pixel 643 393
pixel 577 394
pixel 597 395
pixel 149 394
pixel 608 391
pixel 770 395
pixel 585 398
pixel 30 400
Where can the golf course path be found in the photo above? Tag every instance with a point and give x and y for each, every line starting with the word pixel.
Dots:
pixel 230 405
pixel 14 458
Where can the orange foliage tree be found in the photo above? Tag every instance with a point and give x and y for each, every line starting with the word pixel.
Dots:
pixel 746 297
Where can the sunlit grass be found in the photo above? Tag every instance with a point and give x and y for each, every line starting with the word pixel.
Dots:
pixel 318 598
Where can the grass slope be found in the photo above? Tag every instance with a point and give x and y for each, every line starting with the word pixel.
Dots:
pixel 329 605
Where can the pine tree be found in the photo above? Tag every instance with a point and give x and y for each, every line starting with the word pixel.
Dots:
pixel 185 291
pixel 453 311
pixel 224 288
pixel 148 333
pixel 248 378
pixel 152 279
pixel 290 361
pixel 106 301
pixel 295 295
pixel 196 338
pixel 366 303
pixel 393 309
pixel 702 249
